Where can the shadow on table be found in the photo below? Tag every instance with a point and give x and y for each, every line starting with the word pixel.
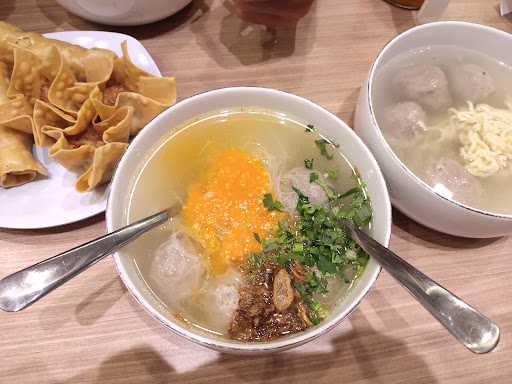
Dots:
pixel 410 230
pixel 85 308
pixel 359 354
pixel 403 19
pixel 347 109
pixel 251 43
pixel 98 302
pixel 58 15
pixel 385 311
pixel 192 12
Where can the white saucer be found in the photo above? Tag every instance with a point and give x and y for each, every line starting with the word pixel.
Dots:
pixel 53 201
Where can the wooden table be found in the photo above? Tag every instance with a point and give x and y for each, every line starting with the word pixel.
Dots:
pixel 92 331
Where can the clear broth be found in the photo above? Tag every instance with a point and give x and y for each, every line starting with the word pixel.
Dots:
pixel 496 189
pixel 279 141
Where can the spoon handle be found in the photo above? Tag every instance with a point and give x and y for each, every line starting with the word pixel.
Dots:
pixel 466 324
pixel 22 288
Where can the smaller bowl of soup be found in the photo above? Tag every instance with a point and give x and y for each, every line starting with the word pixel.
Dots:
pixel 436 112
pixel 254 259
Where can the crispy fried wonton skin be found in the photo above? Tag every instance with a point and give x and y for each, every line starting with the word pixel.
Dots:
pixel 83 104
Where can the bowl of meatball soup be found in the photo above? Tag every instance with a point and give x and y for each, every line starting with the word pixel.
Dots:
pixel 437 115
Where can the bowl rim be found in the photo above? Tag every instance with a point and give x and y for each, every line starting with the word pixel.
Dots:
pixel 376 64
pixel 233 346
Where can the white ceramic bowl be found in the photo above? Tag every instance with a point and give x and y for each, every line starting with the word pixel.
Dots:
pixel 408 193
pixel 222 99
pixel 123 12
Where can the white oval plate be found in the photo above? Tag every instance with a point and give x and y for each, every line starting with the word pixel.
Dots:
pixel 53 201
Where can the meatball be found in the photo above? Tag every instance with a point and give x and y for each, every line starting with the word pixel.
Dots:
pixel 470 82
pixel 452 180
pixel 404 123
pixel 299 178
pixel 425 84
pixel 221 301
pixel 176 269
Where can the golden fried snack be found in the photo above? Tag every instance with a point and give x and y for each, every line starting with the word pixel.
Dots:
pixel 26 77
pixel 103 165
pixel 146 94
pixel 160 89
pixel 46 117
pixel 85 147
pixel 66 92
pixel 75 146
pixel 15 112
pixel 83 104
pixel 117 127
pixel 4 82
pixel 81 60
pixel 17 166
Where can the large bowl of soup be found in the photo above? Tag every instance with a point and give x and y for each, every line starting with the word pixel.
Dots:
pixel 254 258
pixel 436 112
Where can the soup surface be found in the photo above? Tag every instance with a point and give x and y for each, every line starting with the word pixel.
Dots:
pixel 255 252
pixel 447 114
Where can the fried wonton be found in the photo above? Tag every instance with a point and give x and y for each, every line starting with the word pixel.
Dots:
pixel 17 166
pixel 79 58
pixel 83 104
pixel 26 77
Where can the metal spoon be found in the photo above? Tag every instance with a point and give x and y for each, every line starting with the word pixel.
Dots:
pixel 19 290
pixel 475 331
pixel 471 328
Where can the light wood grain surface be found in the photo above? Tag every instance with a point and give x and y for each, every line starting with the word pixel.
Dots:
pixel 92 331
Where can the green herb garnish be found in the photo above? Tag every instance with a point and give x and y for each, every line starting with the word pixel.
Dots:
pixel 317 313
pixel 359 210
pixel 329 191
pixel 322 145
pixel 308 163
pixel 332 174
pixel 307 290
pixel 257 260
pixel 271 204
pixel 317 242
